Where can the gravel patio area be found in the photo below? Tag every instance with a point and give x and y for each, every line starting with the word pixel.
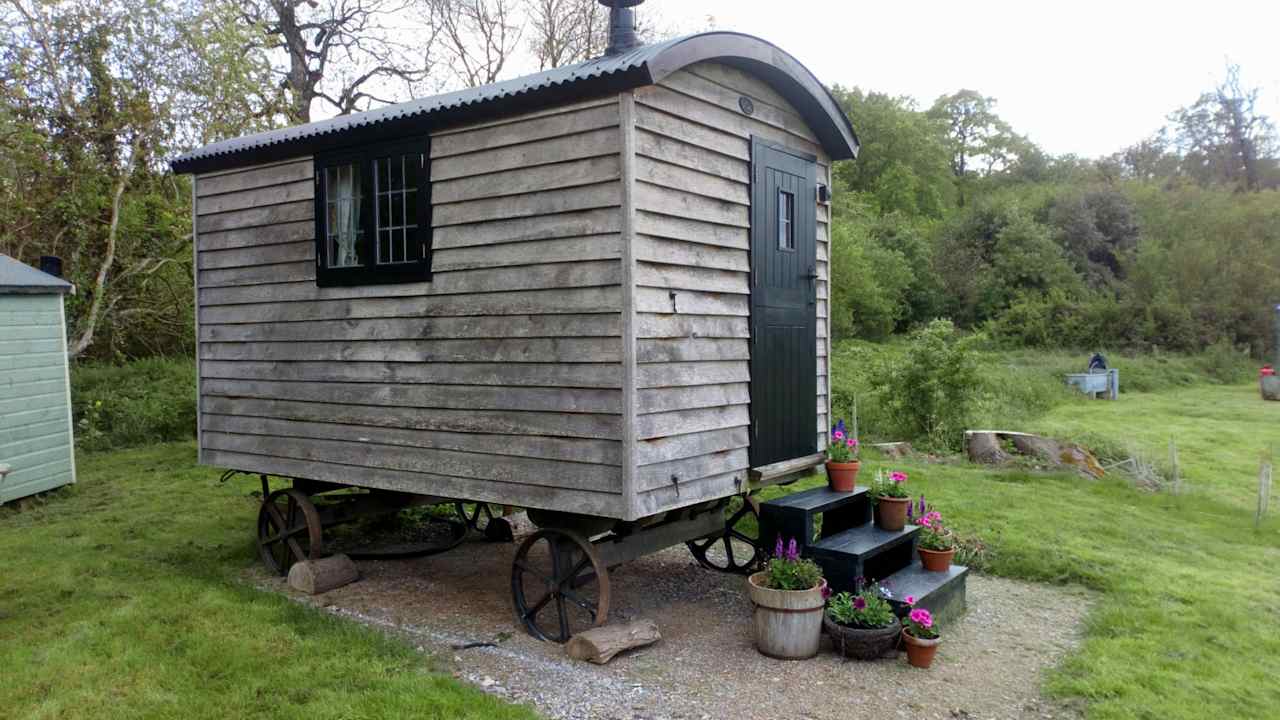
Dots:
pixel 990 665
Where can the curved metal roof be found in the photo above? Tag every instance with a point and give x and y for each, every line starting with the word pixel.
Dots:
pixel 645 65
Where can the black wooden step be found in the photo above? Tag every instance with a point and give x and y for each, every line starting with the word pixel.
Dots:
pixel 865 551
pixel 795 515
pixel 941 593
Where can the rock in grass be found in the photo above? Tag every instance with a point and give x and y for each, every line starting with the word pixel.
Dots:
pixel 319 576
pixel 600 645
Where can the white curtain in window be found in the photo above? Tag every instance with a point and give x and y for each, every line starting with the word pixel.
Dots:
pixel 346 192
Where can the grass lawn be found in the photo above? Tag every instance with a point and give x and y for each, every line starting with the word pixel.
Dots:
pixel 120 597
pixel 1188 620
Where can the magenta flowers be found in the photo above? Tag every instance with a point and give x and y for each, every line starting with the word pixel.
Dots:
pixel 922 617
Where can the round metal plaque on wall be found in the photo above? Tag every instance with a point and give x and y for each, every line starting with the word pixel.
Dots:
pixel 747 106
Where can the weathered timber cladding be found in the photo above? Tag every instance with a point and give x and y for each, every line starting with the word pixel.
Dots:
pixel 692 278
pixel 500 380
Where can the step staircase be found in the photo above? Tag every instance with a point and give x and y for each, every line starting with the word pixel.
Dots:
pixel 836 531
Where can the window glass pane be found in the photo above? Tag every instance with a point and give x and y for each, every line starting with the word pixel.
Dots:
pixel 397 206
pixel 786 220
pixel 343 195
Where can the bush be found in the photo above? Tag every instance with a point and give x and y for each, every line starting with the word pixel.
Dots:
pixel 142 402
pixel 933 388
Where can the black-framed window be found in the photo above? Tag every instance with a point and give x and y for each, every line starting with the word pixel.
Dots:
pixel 373 214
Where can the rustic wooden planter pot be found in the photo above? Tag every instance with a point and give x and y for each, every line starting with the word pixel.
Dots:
pixel 843 477
pixel 787 623
pixel 936 560
pixel 891 513
pixel 920 652
pixel 862 643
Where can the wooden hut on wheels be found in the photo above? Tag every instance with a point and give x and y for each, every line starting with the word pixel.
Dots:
pixel 36 443
pixel 597 292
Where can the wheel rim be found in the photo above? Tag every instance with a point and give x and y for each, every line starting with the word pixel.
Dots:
pixel 288 530
pixel 737 548
pixel 558 585
pixel 481 519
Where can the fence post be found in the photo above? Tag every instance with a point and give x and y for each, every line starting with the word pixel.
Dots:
pixel 1173 463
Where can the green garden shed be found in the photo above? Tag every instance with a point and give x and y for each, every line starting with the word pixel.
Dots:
pixel 36 443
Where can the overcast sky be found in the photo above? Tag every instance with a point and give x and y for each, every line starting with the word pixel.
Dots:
pixel 1087 77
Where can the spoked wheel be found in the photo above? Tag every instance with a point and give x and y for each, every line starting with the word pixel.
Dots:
pixel 481 519
pixel 737 548
pixel 559 585
pixel 289 530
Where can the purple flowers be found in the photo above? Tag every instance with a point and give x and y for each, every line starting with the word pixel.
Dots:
pixel 793 552
pixel 777 548
pixel 923 508
pixel 859 603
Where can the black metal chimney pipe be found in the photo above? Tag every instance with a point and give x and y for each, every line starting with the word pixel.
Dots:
pixel 622 26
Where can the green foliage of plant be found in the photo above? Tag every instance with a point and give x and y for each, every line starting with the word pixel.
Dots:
pixel 786 570
pixel 866 609
pixel 889 485
pixel 934 386
pixel 141 402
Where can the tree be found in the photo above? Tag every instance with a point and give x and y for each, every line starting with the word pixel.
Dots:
pixel 903 162
pixel 341 52
pixel 476 37
pixel 1098 230
pixel 567 31
pixel 1223 136
pixel 979 142
pixel 96 95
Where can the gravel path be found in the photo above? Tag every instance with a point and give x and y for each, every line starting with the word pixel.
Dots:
pixel 705 666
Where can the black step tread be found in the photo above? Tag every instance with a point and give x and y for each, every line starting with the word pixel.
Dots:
pixel 864 540
pixel 819 499
pixel 914 580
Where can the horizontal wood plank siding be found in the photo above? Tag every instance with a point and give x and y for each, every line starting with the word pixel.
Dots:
pixel 499 380
pixel 693 196
pixel 35 417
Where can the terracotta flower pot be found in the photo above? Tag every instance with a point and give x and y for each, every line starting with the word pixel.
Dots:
pixel 891 513
pixel 787 623
pixel 920 652
pixel 843 477
pixel 936 560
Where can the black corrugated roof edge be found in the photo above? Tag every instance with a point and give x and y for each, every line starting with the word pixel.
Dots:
pixel 642 66
pixel 18 278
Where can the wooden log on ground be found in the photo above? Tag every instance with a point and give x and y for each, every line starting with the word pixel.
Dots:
pixel 894 449
pixel 984 447
pixel 600 645
pixel 320 576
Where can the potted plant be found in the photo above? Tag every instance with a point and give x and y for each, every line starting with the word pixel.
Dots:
pixel 862 625
pixel 920 634
pixel 842 460
pixel 788 596
pixel 890 496
pixel 935 543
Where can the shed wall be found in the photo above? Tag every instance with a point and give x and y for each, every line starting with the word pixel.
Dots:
pixel 500 380
pixel 35 413
pixel 692 275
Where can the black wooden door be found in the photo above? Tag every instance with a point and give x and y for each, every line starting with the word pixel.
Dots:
pixel 783 304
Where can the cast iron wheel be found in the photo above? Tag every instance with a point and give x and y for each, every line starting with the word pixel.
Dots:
pixel 737 548
pixel 482 520
pixel 289 530
pixel 558 585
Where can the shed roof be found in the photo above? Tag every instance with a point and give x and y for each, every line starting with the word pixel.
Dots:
pixel 645 65
pixel 21 279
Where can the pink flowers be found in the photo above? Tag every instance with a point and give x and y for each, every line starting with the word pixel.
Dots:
pixel 922 617
pixel 898 476
pixel 838 434
pixel 910 600
pixel 859 603
pixel 932 520
pixel 851 443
